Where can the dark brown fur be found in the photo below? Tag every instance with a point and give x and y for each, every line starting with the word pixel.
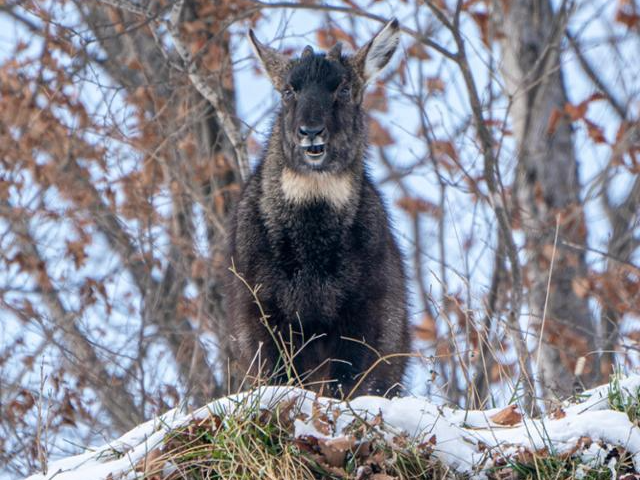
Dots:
pixel 316 238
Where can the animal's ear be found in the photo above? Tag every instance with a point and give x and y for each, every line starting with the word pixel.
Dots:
pixel 275 64
pixel 374 56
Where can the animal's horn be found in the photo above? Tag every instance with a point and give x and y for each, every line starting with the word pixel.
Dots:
pixel 335 52
pixel 308 50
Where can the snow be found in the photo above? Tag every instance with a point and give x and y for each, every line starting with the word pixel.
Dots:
pixel 466 440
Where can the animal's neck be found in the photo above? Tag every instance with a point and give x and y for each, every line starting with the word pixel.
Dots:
pixel 335 189
pixel 282 184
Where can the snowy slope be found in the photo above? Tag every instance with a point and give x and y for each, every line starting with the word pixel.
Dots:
pixel 467 441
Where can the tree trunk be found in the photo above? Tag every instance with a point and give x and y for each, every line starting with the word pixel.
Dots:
pixel 547 194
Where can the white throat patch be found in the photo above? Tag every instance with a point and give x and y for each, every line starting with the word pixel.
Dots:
pixel 335 189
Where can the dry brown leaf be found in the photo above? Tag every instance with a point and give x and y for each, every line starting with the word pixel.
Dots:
pixel 630 476
pixel 150 462
pixel 482 21
pixel 306 443
pixel 442 148
pixel 77 251
pixel 579 110
pixel 426 447
pixel 284 411
pixel 576 112
pixel 214 57
pixel 363 449
pixel 194 26
pixel 581 444
pixel 435 85
pixel 557 413
pixel 364 472
pixel 378 135
pixel 335 450
pixel 415 205
pixel 328 37
pixel 376 100
pixel 320 419
pixel 581 286
pixel 500 371
pixel 595 131
pixel 427 329
pixel 506 473
pixel 626 15
pixel 418 51
pixel 554 118
pixel 507 416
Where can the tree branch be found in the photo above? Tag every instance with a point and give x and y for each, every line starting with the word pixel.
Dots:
pixel 118 403
pixel 224 116
pixel 359 13
pixel 617 105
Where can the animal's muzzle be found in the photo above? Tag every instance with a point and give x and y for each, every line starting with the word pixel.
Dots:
pixel 312 142
pixel 310 132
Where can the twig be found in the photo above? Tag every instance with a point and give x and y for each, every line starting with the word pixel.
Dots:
pixel 546 298
pixel 41 443
pixel 360 13
pixel 495 197
pixel 127 6
pixel 595 78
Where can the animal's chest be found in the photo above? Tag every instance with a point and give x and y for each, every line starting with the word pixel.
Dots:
pixel 314 240
pixel 313 249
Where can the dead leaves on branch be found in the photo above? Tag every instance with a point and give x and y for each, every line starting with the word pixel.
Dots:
pixel 435 85
pixel 378 135
pixel 206 36
pixel 416 205
pixel 628 14
pixel 426 330
pixel 327 37
pixel 376 99
pixel 418 51
pixel 625 147
pixel 571 344
pixel 617 288
pixel 575 112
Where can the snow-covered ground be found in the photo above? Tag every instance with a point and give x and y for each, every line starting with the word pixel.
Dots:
pixel 468 441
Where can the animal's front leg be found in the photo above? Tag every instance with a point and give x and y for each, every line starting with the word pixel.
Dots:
pixel 349 368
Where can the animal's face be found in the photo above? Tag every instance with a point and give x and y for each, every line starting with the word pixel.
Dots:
pixel 322 119
pixel 319 112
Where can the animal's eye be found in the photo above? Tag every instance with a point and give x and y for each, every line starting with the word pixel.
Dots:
pixel 345 91
pixel 287 93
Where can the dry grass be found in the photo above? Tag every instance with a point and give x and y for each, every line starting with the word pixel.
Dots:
pixel 254 444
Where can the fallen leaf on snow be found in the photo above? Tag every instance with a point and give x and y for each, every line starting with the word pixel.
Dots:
pixel 507 416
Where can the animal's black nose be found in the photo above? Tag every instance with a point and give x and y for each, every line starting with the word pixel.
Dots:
pixel 311 131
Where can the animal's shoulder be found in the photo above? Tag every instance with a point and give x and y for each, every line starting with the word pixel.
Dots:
pixel 371 203
pixel 248 202
pixel 245 222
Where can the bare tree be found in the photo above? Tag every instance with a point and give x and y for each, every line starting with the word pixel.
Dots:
pixel 547 190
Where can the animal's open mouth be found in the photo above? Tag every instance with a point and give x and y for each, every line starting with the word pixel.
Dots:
pixel 314 153
pixel 314 150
